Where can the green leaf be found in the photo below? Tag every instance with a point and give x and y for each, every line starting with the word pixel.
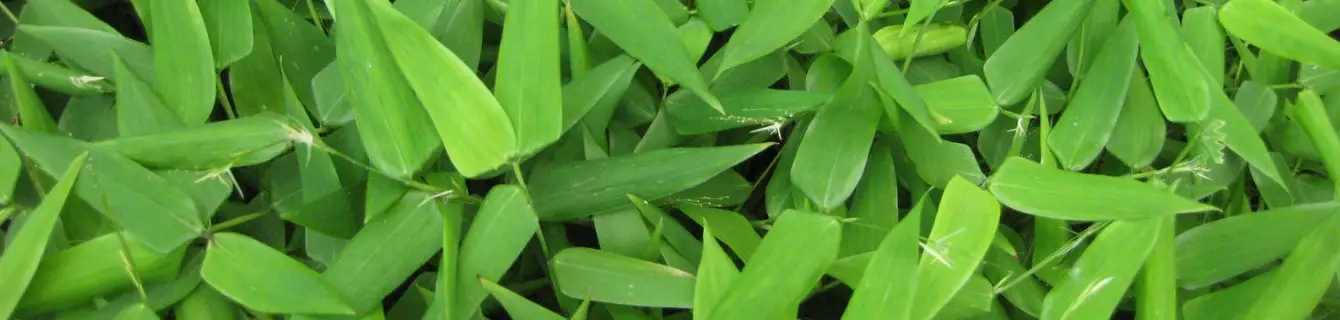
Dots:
pixel 94 268
pixel 1002 264
pixel 679 238
pixel 965 224
pixel 25 250
pixel 262 279
pixel 461 29
pixel 937 162
pixel 770 26
pixel 11 166
pixel 139 110
pixel 1219 250
pixel 255 82
pixel 387 252
pixel 1033 188
pixel 1238 133
pixel 742 108
pixel 528 83
pixel 1100 278
pixel 228 23
pixel 1205 39
pixel 205 303
pixel 1181 95
pixel 732 228
pixel 902 42
pixel 302 47
pixel 716 273
pixel 597 89
pixel 578 189
pixel 1257 103
pixel 1093 112
pixel 612 278
pixel 888 292
pixel 1228 302
pixel 217 145
pixel 996 27
pixel 1275 30
pixel 137 312
pixel 891 82
pixel 722 14
pixel 145 205
pixel 1300 282
pixel 1018 66
pixel 833 152
pixel 872 204
pixel 776 279
pixel 642 30
pixel 183 62
pixel 516 305
pixel 72 45
pixel 1093 35
pixel 964 102
pixel 1309 112
pixel 391 121
pixel 461 115
pixel 58 78
pixel 499 232
pixel 1138 136
pixel 32 112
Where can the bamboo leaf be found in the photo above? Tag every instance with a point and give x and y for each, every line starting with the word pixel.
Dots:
pixel 1019 64
pixel 260 278
pixel 1032 188
pixel 461 114
pixel 629 24
pixel 528 83
pixel 24 252
pixel 183 62
pixel 612 278
pixel 775 279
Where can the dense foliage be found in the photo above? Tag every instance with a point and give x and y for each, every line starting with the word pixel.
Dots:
pixel 668 159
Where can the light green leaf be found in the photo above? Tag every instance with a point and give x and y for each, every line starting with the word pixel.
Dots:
pixel 769 26
pixel 1219 250
pixel 1310 114
pixel 516 305
pixel 262 279
pixel 1300 282
pixel 888 292
pixel 461 115
pixel 1228 302
pixel 833 152
pixel 386 252
pixel 94 268
pixel 1033 188
pixel 139 110
pixel 228 23
pixel 1093 35
pixel 461 29
pixel 872 204
pixel 213 146
pixel 722 14
pixel 642 30
pixel 1100 278
pixel 1205 39
pixel 716 273
pixel 183 62
pixel 1181 95
pixel 1274 29
pixel 597 89
pixel 205 303
pixel 145 205
pixel 730 227
pixel 937 162
pixel 501 229
pixel 1138 136
pixel 72 45
pixel 775 279
pixel 611 278
pixel 528 76
pixel 137 312
pixel 391 121
pixel 578 189
pixel 31 111
pixel 1090 116
pixel 902 42
pixel 24 251
pixel 964 102
pixel 965 224
pixel 1018 66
